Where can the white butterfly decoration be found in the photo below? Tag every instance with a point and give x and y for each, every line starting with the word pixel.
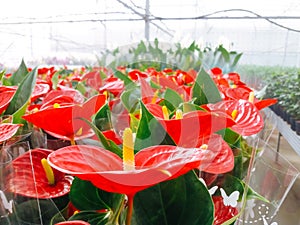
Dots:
pixel 249 208
pixel 7 205
pixel 266 223
pixel 230 200
pixel 211 190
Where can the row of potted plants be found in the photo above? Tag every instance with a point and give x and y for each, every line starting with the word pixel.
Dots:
pixel 285 87
pixel 278 82
pixel 161 55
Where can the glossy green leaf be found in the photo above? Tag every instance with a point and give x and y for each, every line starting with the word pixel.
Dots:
pixel 107 144
pixel 188 107
pixel 173 99
pixel 19 75
pixel 17 116
pixel 102 119
pixel 224 53
pixel 205 90
pixel 81 88
pixel 130 99
pixel 2 73
pixel 236 60
pixel 127 81
pixel 150 132
pixel 231 137
pixel 184 200
pixel 23 93
pixel 55 80
pixel 232 183
pixel 92 198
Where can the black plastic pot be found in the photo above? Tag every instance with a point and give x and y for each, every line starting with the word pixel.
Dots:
pixel 292 121
pixel 297 127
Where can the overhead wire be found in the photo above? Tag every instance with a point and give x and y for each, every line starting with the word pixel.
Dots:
pixel 141 17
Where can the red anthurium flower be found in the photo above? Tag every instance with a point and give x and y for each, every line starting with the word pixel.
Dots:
pixel 190 130
pixel 40 90
pixel 247 117
pixel 62 97
pixel 136 74
pixel 27 177
pixel 222 212
pixel 165 82
pixel 239 92
pixel 243 92
pixel 7 88
pixel 46 70
pixel 7 130
pixel 73 222
pixel 234 77
pixel 220 158
pixel 64 121
pixel 222 83
pixel 265 103
pixel 114 86
pixel 93 79
pixel 5 98
pixel 216 71
pixel 184 77
pixel 112 135
pixel 75 94
pixel 105 169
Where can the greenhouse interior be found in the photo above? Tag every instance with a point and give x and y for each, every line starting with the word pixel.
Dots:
pixel 150 112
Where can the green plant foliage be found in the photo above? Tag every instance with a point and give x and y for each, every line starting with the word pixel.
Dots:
pixel 182 201
pixel 164 55
pixel 22 95
pixel 93 198
pixel 204 89
pixel 150 132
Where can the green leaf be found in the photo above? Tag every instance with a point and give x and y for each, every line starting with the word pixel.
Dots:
pixel 19 75
pixel 2 73
pixel 231 137
pixel 150 132
pixel 81 88
pixel 232 183
pixel 55 80
pixel 225 54
pixel 173 98
pixel 17 116
pixel 236 59
pixel 130 99
pixel 184 200
pixel 205 90
pixel 23 93
pixel 154 85
pixel 127 81
pixel 102 119
pixel 188 107
pixel 107 144
pixel 85 196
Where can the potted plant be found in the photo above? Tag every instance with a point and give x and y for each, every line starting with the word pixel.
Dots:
pixel 141 143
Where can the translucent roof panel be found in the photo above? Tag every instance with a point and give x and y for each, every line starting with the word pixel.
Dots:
pixel 267 32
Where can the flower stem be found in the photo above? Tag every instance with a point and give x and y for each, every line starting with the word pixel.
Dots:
pixel 130 209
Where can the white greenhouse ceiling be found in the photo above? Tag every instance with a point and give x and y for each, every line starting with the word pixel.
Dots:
pixel 267 32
